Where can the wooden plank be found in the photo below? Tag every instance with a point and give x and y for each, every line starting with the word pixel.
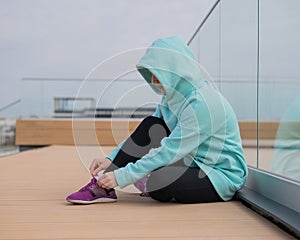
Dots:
pixel 66 132
pixel 266 130
pixel 105 132
pixel 34 185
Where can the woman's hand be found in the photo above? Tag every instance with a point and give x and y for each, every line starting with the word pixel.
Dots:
pixel 98 165
pixel 107 180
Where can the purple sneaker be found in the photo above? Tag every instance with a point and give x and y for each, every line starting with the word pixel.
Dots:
pixel 141 185
pixel 92 193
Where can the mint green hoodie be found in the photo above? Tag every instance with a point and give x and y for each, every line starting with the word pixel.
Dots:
pixel 204 128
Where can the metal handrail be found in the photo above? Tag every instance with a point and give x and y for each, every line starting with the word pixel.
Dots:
pixel 38 79
pixel 204 20
pixel 10 105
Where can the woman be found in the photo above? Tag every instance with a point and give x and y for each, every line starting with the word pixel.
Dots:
pixel 189 150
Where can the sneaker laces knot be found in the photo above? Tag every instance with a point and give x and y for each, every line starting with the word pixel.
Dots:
pixel 89 185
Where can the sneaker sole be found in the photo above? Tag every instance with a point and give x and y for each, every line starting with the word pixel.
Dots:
pixel 99 200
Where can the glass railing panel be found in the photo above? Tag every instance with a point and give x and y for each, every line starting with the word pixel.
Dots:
pixel 279 87
pixel 206 45
pixel 226 46
pixel 238 68
pixel 38 95
pixel 87 98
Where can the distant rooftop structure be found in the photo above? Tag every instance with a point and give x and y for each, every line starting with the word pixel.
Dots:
pixel 7 137
pixel 67 107
pixel 71 106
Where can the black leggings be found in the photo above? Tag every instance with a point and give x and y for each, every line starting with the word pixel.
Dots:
pixel 176 181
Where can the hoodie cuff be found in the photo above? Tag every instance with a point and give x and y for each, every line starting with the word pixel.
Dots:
pixel 122 177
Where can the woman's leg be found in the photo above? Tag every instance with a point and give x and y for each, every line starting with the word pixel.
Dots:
pixel 184 184
pixel 147 135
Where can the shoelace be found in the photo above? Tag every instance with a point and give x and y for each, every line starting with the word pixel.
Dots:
pixel 90 184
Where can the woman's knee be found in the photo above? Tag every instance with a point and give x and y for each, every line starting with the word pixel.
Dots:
pixel 154 130
pixel 151 120
pixel 160 196
pixel 156 191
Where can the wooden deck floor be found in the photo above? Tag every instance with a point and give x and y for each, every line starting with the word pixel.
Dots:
pixel 33 186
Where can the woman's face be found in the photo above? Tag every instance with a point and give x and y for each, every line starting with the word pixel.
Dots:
pixel 156 82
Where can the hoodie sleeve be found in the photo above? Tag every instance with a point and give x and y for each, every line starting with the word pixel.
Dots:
pixel 183 140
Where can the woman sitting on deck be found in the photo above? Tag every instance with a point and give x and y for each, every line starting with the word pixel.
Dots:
pixel 189 150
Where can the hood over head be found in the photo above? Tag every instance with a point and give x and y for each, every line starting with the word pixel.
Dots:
pixel 173 64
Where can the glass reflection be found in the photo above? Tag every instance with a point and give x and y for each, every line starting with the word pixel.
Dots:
pixel 279 75
pixel 286 160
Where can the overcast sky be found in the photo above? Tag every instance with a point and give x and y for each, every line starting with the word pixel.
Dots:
pixel 67 38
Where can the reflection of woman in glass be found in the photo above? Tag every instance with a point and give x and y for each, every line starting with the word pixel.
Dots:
pixel 286 159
